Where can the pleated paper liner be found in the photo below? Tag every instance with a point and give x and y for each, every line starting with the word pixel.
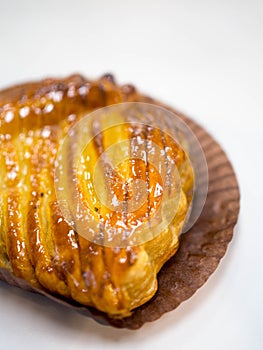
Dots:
pixel 201 248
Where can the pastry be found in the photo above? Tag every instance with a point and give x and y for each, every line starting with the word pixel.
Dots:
pixel 200 249
pixel 37 243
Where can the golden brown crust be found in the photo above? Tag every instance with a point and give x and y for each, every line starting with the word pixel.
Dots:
pixel 200 249
pixel 37 244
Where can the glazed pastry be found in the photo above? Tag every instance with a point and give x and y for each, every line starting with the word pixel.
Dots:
pixel 37 243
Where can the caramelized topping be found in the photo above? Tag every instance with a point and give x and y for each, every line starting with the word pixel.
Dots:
pixel 121 191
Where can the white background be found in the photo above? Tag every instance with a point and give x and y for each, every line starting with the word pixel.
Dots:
pixel 204 57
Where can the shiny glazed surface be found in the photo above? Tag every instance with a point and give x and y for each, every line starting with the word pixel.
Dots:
pixel 36 242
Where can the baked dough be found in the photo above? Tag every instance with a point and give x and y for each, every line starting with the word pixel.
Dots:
pixel 37 244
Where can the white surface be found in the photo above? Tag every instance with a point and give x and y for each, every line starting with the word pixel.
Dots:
pixel 203 57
